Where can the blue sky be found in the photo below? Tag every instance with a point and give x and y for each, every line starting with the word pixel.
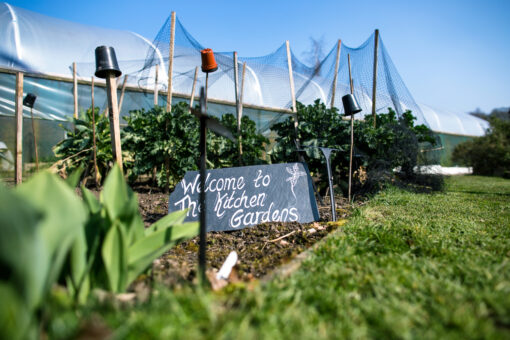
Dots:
pixel 451 54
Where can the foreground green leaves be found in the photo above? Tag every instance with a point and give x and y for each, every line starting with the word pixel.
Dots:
pixel 39 222
pixel 114 247
pixel 49 233
pixel 406 266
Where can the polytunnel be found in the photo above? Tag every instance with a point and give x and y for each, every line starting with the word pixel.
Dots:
pixel 46 48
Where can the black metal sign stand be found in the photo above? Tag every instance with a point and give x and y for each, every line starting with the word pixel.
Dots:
pixel 203 165
pixel 327 154
pixel 213 125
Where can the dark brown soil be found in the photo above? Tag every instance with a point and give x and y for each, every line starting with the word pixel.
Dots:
pixel 260 249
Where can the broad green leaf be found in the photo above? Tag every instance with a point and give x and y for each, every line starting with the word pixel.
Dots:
pixel 121 203
pixel 114 253
pixel 177 217
pixel 131 219
pixel 143 252
pixel 15 318
pixel 64 216
pixel 116 193
pixel 73 179
pixel 21 246
pixel 90 200
pixel 78 267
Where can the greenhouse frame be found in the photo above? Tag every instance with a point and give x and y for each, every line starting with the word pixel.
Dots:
pixel 59 72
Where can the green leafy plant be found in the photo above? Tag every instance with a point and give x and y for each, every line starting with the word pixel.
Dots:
pixel 168 142
pixel 114 247
pixel 76 151
pixel 48 233
pixel 161 140
pixel 395 142
pixel 488 155
pixel 39 223
pixel 223 152
pixel 318 126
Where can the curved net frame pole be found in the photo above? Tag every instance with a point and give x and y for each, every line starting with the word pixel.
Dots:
pixel 352 130
pixel 374 86
pixel 170 64
pixel 18 165
pixel 337 63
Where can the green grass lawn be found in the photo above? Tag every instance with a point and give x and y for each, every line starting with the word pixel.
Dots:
pixel 406 265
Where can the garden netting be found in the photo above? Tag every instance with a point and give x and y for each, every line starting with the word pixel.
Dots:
pixel 45 49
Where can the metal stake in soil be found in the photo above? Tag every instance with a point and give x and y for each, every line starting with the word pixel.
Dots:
pixel 352 129
pixel 203 158
pixel 327 155
pixel 213 125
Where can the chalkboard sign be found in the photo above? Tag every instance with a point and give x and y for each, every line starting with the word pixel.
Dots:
pixel 247 196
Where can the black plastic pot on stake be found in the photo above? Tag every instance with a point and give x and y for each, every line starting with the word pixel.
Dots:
pixel 29 101
pixel 351 106
pixel 106 62
pixel 108 68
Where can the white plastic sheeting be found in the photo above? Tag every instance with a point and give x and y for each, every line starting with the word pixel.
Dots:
pixel 456 123
pixel 50 45
pixel 41 44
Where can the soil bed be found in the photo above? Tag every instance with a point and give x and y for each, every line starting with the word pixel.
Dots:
pixel 260 248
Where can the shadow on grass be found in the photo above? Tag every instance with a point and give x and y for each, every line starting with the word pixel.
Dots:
pixel 419 183
pixel 480 192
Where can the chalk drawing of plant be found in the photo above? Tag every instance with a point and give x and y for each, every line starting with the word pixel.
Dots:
pixel 294 171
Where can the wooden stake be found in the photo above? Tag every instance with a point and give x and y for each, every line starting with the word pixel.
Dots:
pixel 18 173
pixel 35 140
pixel 94 148
pixel 75 91
pixel 169 91
pixel 156 89
pixel 236 92
pixel 292 90
pixel 111 90
pixel 193 89
pixel 374 85
pixel 121 100
pixel 352 130
pixel 170 63
pixel 294 110
pixel 337 64
pixel 241 106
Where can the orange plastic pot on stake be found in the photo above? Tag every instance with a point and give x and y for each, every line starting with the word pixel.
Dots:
pixel 208 63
